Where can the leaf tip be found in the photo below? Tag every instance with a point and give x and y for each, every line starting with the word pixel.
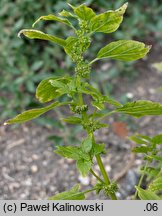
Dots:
pixel 50 81
pixel 126 5
pixel 23 31
pixel 123 8
pixel 71 5
pixel 149 47
pixel 19 33
pixel 33 25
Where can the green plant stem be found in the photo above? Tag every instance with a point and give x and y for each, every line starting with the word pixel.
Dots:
pixel 97 177
pixel 104 174
pixel 141 179
pixel 94 60
pixel 88 191
pixel 98 158
pixel 107 114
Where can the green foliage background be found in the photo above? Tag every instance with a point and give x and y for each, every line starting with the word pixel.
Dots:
pixel 24 63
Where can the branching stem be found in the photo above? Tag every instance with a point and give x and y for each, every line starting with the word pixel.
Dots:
pixel 105 175
pixel 95 175
pixel 141 179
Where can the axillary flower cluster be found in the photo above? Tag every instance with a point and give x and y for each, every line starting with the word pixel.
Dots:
pixel 82 68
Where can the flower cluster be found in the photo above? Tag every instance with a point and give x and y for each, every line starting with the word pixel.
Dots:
pixel 82 69
pixel 92 125
pixel 81 44
pixel 79 109
pixel 84 26
pixel 108 189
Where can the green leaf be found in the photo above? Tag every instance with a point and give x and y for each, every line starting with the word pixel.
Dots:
pixel 31 114
pixel 100 99
pixel 71 152
pixel 126 50
pixel 73 194
pixel 152 171
pixel 98 105
pixel 141 108
pixel 146 194
pixel 111 101
pixel 35 34
pixel 72 120
pixel 140 140
pixel 98 149
pixel 60 86
pixel 155 157
pixel 109 21
pixel 84 166
pixel 52 17
pixel 46 92
pixel 156 184
pixel 65 13
pixel 157 139
pixel 141 149
pixel 70 42
pixel 84 12
pixel 87 144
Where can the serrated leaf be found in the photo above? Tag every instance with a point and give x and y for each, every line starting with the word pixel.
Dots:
pixel 84 12
pixel 73 194
pixel 31 114
pixel 52 17
pixel 46 92
pixel 84 166
pixel 126 50
pixel 87 144
pixel 146 194
pixel 72 120
pixel 157 139
pixel 71 152
pixel 35 34
pixel 141 108
pixel 109 21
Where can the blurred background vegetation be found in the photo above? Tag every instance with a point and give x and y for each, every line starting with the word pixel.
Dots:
pixel 24 63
